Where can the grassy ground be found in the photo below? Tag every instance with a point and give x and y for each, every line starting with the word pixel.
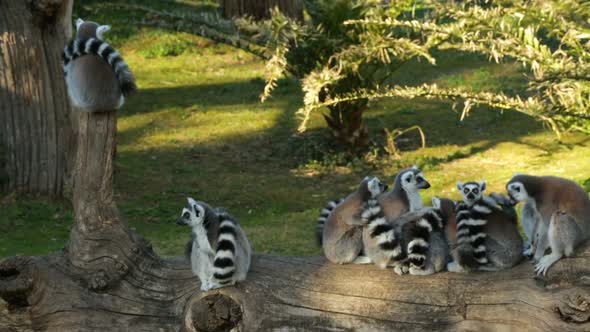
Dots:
pixel 197 129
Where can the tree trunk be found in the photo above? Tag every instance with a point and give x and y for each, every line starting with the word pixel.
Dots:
pixel 345 121
pixel 35 129
pixel 260 9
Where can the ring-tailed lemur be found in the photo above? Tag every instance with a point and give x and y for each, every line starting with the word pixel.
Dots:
pixel 96 76
pixel 342 235
pixel 426 241
pixel 403 200
pixel 380 243
pixel 471 219
pixel 219 251
pixel 324 214
pixel 556 216
pixel 487 231
pixel 404 196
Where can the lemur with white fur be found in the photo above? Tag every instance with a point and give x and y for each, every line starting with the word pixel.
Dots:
pixel 219 250
pixel 487 231
pixel 555 216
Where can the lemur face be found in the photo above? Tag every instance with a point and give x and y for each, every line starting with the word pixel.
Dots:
pixel 193 215
pixel 89 29
pixel 471 191
pixel 376 187
pixel 413 180
pixel 517 191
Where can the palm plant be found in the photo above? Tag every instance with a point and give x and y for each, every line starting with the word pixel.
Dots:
pixel 323 41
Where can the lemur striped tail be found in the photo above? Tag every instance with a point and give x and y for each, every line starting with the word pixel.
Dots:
pixel 418 236
pixel 324 214
pixel 79 47
pixel 382 231
pixel 224 265
pixel 471 249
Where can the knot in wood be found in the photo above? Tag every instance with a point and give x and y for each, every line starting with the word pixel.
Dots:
pixel 575 308
pixel 212 313
pixel 16 279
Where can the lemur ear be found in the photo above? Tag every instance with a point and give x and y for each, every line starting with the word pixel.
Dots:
pixel 436 202
pixel 459 185
pixel 415 167
pixel 482 185
pixel 78 23
pixel 101 30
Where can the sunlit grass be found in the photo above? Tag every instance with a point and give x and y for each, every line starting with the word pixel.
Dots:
pixel 197 129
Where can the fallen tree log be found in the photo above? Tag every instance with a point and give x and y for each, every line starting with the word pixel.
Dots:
pixel 299 294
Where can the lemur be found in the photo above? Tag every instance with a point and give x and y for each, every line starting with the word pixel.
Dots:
pixel 556 216
pixel 96 76
pixel 487 237
pixel 324 214
pixel 402 198
pixel 425 240
pixel 380 243
pixel 342 234
pixel 219 250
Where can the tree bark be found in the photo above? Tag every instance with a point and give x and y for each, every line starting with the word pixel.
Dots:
pixel 260 9
pixel 35 129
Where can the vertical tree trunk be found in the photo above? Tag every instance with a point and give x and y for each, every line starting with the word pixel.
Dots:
pixel 260 9
pixel 35 129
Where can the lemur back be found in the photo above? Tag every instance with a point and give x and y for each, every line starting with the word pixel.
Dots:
pixel 380 243
pixel 426 242
pixel 324 214
pixel 96 76
pixel 342 233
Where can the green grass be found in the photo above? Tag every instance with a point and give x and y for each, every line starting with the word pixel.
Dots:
pixel 197 129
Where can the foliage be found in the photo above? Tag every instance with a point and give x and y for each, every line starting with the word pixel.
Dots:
pixel 550 38
pixel 331 59
pixel 391 147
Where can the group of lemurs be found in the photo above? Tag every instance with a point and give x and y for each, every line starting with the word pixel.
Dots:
pixel 391 228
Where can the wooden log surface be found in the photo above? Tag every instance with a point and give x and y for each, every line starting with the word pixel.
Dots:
pixel 302 294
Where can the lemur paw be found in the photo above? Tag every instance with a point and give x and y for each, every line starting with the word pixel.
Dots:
pixel 454 267
pixel 416 271
pixel 205 286
pixel 400 269
pixel 544 263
